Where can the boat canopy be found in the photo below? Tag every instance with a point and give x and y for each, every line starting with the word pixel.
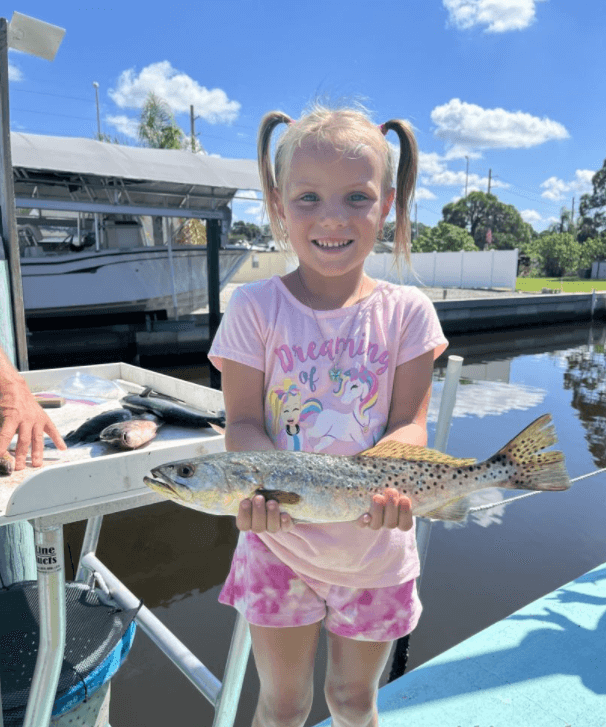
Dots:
pixel 85 175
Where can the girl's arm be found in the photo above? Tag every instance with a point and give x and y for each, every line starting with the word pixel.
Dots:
pixel 245 432
pixel 407 423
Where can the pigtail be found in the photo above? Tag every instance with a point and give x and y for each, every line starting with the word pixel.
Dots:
pixel 406 179
pixel 266 172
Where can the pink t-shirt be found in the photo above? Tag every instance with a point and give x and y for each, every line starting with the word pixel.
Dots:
pixel 328 385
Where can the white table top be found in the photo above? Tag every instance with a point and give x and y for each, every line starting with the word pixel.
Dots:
pixel 95 479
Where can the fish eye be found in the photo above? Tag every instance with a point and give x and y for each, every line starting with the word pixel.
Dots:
pixel 186 470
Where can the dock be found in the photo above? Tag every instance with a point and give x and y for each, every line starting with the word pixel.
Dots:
pixel 543 666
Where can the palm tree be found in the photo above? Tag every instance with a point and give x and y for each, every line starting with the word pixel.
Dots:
pixel 157 126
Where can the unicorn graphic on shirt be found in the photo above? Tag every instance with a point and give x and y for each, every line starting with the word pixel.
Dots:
pixel 288 413
pixel 358 388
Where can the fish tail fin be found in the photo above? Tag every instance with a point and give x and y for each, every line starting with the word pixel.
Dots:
pixel 536 470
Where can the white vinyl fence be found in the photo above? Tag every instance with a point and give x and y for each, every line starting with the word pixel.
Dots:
pixel 491 269
pixel 598 271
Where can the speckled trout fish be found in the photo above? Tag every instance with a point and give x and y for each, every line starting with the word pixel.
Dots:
pixel 316 487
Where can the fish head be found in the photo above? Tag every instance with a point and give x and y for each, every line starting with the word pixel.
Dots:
pixel 199 484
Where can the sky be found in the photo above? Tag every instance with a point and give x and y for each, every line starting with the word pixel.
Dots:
pixel 511 88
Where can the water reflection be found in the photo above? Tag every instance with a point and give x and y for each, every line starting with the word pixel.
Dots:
pixel 585 376
pixel 486 398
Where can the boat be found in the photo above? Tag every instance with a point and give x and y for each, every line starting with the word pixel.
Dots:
pixel 111 230
pixel 64 274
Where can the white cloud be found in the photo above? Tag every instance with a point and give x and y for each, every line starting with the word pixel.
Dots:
pixel 468 126
pixel 449 178
pixel 14 73
pixel 497 16
pixel 531 216
pixel 243 210
pixel 125 125
pixel 422 193
pixel 430 164
pixel 555 188
pixel 178 89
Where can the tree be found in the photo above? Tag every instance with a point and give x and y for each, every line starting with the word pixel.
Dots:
pixel 592 250
pixel 157 126
pixel 444 238
pixel 592 208
pixel 480 212
pixel 557 253
pixel 246 230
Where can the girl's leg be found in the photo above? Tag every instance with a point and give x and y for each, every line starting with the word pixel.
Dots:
pixel 285 662
pixel 352 680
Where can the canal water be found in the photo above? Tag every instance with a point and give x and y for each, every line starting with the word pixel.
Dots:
pixel 175 559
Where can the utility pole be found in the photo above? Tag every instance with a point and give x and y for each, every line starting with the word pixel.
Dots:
pixel 96 85
pixel 192 124
pixel 192 120
pixel 489 179
pixel 466 175
pixel 572 213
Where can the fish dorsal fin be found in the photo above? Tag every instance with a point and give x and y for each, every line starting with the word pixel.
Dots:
pixel 415 453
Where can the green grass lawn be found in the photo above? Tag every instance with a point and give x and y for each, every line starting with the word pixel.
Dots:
pixel 568 285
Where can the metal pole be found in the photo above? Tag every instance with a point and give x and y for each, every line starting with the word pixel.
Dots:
pixel 7 206
pixel 96 85
pixel 198 674
pixel 51 597
pixel 213 244
pixel 89 545
pixel 233 677
pixel 447 403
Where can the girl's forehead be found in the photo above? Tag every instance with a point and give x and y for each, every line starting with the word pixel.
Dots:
pixel 314 160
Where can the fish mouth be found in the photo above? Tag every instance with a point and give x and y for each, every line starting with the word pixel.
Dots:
pixel 162 485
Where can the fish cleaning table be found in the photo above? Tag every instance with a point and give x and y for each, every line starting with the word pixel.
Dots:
pixel 87 482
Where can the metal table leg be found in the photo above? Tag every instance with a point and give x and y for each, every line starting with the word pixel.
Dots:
pixel 51 598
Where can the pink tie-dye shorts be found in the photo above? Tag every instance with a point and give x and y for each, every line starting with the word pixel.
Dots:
pixel 269 593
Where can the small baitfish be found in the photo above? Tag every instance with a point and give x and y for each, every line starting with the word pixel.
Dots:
pixel 316 487
pixel 131 434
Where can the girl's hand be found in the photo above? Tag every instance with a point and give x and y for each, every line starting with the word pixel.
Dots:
pixel 261 516
pixel 390 510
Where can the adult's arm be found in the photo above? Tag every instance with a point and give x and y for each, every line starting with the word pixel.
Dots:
pixel 20 413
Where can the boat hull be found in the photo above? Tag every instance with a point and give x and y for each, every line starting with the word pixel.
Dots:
pixel 134 280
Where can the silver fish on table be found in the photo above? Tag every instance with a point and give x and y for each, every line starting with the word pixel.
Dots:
pixel 173 412
pixel 315 487
pixel 90 430
pixel 131 434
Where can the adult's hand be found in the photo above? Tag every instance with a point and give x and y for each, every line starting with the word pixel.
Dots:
pixel 20 413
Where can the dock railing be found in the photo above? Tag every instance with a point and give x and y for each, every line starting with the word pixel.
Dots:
pixel 225 695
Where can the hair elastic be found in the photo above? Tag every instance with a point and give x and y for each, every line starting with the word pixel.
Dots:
pixel 383 129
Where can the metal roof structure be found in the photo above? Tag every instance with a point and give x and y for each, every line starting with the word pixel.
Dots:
pixel 85 175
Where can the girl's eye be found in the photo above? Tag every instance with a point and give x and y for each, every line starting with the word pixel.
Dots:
pixel 358 197
pixel 309 197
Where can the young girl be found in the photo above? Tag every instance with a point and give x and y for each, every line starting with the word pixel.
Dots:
pixel 331 329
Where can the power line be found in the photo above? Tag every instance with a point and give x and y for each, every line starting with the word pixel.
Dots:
pixel 46 93
pixel 51 113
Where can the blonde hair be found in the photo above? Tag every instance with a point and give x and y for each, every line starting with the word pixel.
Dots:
pixel 349 130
